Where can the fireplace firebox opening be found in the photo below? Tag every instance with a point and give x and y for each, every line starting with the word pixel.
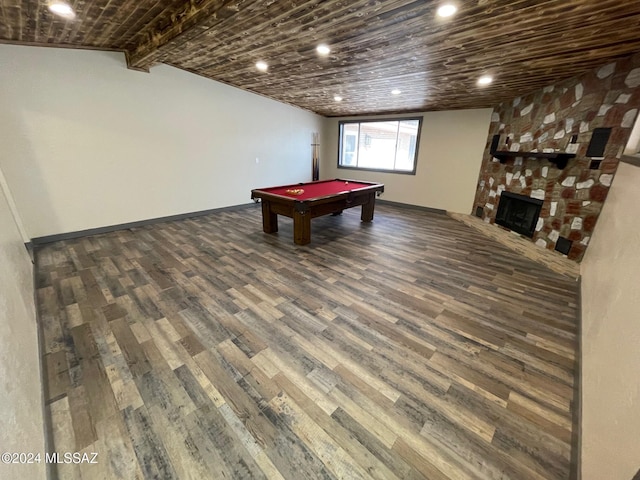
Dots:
pixel 518 213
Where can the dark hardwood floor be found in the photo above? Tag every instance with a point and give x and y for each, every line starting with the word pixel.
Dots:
pixel 410 348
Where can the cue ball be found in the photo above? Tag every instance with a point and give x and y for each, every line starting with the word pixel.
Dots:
pixel 346 183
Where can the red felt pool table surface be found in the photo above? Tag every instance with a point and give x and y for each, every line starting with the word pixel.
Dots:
pixel 304 201
pixel 317 189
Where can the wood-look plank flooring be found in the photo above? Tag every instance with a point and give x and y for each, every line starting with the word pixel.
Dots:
pixel 524 246
pixel 409 348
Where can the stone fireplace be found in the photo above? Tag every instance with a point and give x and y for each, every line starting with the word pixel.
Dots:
pixel 586 122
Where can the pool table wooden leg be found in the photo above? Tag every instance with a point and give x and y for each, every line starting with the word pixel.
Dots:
pixel 367 209
pixel 269 219
pixel 301 228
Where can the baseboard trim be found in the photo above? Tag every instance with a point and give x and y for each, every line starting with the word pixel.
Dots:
pixel 576 429
pixel 47 426
pixel 29 247
pixel 631 160
pixel 125 226
pixel 412 207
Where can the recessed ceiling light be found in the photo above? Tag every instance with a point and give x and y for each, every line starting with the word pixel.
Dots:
pixel 262 66
pixel 62 9
pixel 337 98
pixel 395 91
pixel 323 49
pixel 485 80
pixel 447 10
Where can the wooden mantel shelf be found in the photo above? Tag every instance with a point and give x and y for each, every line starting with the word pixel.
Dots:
pixel 560 159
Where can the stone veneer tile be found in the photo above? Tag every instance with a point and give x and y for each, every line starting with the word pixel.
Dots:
pixel 633 78
pixel 605 179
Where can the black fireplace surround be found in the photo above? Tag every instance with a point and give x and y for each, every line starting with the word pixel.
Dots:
pixel 518 213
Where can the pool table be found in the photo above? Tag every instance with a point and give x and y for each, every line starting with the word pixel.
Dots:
pixel 304 201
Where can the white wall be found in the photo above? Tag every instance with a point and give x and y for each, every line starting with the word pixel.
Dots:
pixel 87 143
pixel 21 419
pixel 611 336
pixel 633 144
pixel 449 157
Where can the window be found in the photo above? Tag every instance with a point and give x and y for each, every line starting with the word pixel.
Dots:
pixel 389 145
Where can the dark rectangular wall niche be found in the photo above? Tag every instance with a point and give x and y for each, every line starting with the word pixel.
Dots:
pixel 494 143
pixel 598 143
pixel 518 213
pixel 563 245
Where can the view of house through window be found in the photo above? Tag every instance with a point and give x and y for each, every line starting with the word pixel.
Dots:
pixel 390 145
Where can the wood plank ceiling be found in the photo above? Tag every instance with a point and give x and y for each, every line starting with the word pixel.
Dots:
pixel 376 45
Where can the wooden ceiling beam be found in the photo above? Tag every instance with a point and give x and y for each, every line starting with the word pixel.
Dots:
pixel 182 26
